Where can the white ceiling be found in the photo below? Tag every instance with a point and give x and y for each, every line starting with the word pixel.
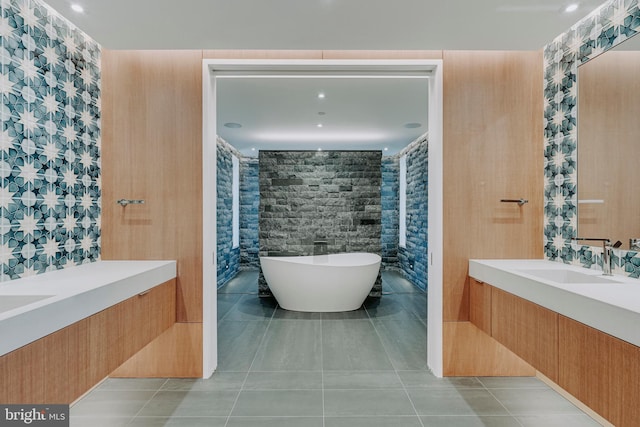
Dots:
pixel 374 110
pixel 359 113
pixel 324 24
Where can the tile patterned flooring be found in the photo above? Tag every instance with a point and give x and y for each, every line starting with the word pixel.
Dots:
pixel 360 368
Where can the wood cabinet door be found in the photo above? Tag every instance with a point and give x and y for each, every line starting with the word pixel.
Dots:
pixel 527 329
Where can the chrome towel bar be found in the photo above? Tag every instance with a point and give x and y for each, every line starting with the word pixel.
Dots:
pixel 520 202
pixel 125 202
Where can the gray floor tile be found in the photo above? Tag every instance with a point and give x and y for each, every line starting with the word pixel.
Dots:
pixel 284 381
pixel 290 346
pixel 414 303
pixel 352 345
pixel 275 422
pixel 282 314
pixel 425 379
pixel 361 380
pixel 218 381
pixel 557 421
pixel 179 422
pixel 131 384
pixel 469 421
pixel 251 307
pixel 397 284
pixel 534 402
pixel 379 421
pixel 226 303
pixel 442 401
pixel 279 403
pixel 359 314
pixel 190 404
pixel 238 343
pixel 512 382
pixel 245 282
pixel 112 403
pixel 388 307
pixel 405 342
pixel 339 403
pixel 99 421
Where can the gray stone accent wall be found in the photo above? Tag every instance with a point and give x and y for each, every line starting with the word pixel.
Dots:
pixel 413 258
pixel 390 213
pixel 228 258
pixel 332 196
pixel 249 206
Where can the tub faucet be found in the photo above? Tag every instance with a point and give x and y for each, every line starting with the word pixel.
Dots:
pixel 607 248
pixel 320 247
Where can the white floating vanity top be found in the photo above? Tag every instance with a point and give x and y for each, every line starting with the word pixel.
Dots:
pixel 33 307
pixel 608 303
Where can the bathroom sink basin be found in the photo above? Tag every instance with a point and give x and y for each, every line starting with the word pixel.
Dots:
pixel 568 276
pixel 9 302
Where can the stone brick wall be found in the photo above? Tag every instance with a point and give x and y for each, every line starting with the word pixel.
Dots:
pixel 390 214
pixel 308 195
pixel 228 258
pixel 249 206
pixel 413 258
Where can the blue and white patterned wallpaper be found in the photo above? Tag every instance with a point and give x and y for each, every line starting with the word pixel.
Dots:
pixel 612 23
pixel 49 141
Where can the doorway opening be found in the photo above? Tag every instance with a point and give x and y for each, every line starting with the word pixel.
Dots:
pixel 215 70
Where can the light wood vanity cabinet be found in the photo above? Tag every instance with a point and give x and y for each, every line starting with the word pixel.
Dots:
pixel 598 369
pixel 62 366
pixel 527 329
pixel 480 305
pixel 601 371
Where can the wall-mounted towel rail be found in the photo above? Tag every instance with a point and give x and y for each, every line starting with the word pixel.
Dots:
pixel 520 202
pixel 125 202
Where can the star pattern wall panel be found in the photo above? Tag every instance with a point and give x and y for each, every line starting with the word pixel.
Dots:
pixel 49 141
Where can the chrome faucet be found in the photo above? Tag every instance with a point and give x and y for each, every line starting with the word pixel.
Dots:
pixel 320 247
pixel 607 251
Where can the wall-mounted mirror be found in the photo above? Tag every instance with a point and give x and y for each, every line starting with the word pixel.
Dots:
pixel 609 145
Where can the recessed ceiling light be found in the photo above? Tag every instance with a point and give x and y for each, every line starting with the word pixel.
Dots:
pixel 571 8
pixel 319 125
pixel 232 125
pixel 319 149
pixel 386 148
pixel 412 125
pixel 253 149
pixel 321 113
pixel 321 95
pixel 77 8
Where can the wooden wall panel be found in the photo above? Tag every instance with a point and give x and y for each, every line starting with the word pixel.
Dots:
pixel 381 54
pixel 474 353
pixel 321 54
pixel 527 329
pixel 492 140
pixel 152 150
pixel 261 54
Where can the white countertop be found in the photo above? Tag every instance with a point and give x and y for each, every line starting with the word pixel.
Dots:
pixel 70 295
pixel 613 308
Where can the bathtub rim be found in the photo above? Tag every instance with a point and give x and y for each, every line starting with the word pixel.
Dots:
pixel 373 258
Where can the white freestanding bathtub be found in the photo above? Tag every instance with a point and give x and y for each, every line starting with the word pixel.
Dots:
pixel 321 283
